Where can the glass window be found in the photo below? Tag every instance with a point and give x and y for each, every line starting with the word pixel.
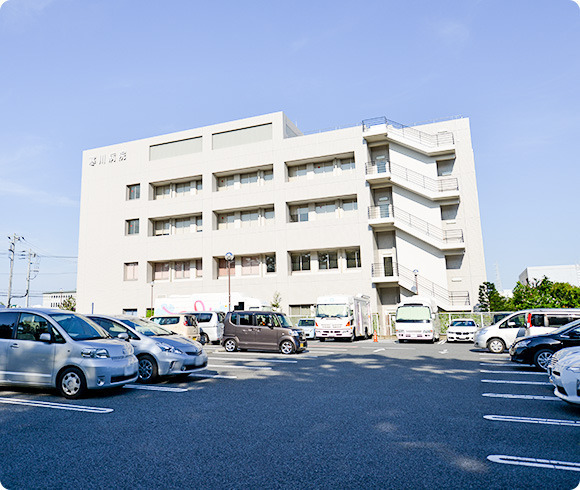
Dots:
pixel 537 320
pixel 182 225
pixel 250 266
pixel 198 268
pixel 269 215
pixel 77 327
pixel 131 271
pixel 347 164
pixel 270 263
pixel 182 270
pixel 557 321
pixel 268 175
pixel 198 185
pixel 323 168
pixel 249 179
pixel 182 188
pixel 244 319
pixel 300 261
pixel 296 172
pixel 516 321
pixel 225 183
pixel 199 223
pixel 325 210
pixel 132 226
pixel 249 219
pixel 133 191
pixel 162 191
pixel 7 322
pixel 298 214
pixel 327 260
pixel 352 259
pixel 223 268
pixel 162 227
pixel 449 212
pixel 349 205
pixel 226 221
pixel 161 271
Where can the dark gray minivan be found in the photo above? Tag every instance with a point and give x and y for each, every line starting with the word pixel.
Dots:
pixel 261 330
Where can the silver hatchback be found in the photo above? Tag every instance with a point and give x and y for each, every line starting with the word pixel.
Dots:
pixel 160 351
pixel 62 349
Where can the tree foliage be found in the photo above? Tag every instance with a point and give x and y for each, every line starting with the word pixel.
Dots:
pixel 491 300
pixel 68 304
pixel 276 302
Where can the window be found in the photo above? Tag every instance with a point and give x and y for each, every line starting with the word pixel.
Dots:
pixel 349 206
pixel 325 210
pixel 7 322
pixel 250 266
pixel 198 268
pixel 453 262
pixel 197 184
pixel 298 214
pixel 249 179
pixel 130 273
pixel 557 321
pixel 133 191
pixel 327 260
pixel 268 216
pixel 445 167
pixel 268 175
pixel 162 191
pixel 198 223
pixel 296 172
pixel 161 271
pixel 225 183
pixel 270 263
pixel 346 164
pixel 300 310
pixel 162 227
pixel 30 327
pixel 323 168
pixel 226 221
pixel 182 188
pixel 449 212
pixel 132 227
pixel 182 270
pixel 300 261
pixel 242 319
pixel 223 268
pixel 249 219
pixel 182 225
pixel 130 311
pixel 352 259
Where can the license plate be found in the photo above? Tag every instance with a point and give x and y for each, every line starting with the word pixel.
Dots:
pixel 301 344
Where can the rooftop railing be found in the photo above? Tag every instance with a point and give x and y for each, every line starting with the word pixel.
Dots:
pixel 413 134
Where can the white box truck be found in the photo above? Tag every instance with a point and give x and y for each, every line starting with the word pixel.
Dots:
pixel 343 317
pixel 417 319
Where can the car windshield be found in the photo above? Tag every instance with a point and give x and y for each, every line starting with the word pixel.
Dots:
pixel 166 320
pixel 463 323
pixel 323 311
pixel 563 328
pixel 78 327
pixel 203 317
pixel 413 313
pixel 283 320
pixel 146 327
pixel 306 323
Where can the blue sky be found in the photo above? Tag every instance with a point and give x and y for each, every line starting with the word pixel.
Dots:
pixel 80 74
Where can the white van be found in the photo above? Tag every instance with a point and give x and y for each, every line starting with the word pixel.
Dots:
pixel 211 325
pixel 496 338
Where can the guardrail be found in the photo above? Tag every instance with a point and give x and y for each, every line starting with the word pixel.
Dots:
pixel 426 139
pixel 434 185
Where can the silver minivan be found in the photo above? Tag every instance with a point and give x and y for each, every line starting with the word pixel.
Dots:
pixel 61 349
pixel 211 325
pixel 160 351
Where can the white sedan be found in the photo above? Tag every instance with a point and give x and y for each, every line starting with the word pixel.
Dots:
pixel 461 329
pixel 565 376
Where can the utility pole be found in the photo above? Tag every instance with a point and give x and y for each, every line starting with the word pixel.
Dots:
pixel 15 238
pixel 31 255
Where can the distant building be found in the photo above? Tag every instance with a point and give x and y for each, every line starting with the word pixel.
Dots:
pixel 555 273
pixel 379 208
pixel 53 299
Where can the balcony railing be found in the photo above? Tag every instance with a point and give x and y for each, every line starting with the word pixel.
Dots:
pixel 414 134
pixel 434 185
pixel 387 211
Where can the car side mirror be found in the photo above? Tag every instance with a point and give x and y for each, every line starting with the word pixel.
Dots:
pixel 123 336
pixel 45 337
pixel 511 324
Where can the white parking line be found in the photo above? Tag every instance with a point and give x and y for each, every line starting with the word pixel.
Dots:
pixel 538 463
pixel 219 376
pixel 379 350
pixel 249 359
pixel 156 388
pixel 504 364
pixel 58 406
pixel 521 397
pixel 442 341
pixel 512 372
pixel 530 420
pixel 238 367
pixel 509 382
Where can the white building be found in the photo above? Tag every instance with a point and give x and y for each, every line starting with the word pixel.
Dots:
pixel 380 209
pixel 53 299
pixel 555 273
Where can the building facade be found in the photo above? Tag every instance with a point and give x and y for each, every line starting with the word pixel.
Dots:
pixel 53 299
pixel 380 209
pixel 555 273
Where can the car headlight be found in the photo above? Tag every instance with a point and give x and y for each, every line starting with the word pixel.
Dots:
pixel 522 343
pixel 574 369
pixel 296 333
pixel 168 348
pixel 95 353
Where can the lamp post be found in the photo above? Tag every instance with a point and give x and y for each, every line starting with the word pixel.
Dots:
pixel 152 307
pixel 229 259
pixel 416 272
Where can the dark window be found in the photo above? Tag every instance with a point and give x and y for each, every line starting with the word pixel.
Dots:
pixel 558 321
pixel 31 326
pixel 203 317
pixel 537 320
pixel 7 322
pixel 244 319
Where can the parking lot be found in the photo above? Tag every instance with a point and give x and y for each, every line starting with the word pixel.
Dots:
pixel 341 415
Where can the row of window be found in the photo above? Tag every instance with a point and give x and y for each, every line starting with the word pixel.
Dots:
pixel 251 265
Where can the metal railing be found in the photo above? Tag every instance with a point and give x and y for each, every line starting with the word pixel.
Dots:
pixel 426 139
pixel 419 284
pixel 384 211
pixel 434 185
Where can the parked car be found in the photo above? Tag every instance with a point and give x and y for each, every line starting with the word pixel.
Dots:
pixel 561 354
pixel 565 376
pixel 160 352
pixel 461 329
pixel 211 325
pixel 61 349
pixel 261 330
pixel 538 350
pixel 308 326
pixel 496 338
pixel 183 324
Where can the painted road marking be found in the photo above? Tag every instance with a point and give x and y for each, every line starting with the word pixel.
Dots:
pixel 249 359
pixel 504 364
pixel 509 382
pixel 238 367
pixel 379 350
pixel 521 397
pixel 511 372
pixel 530 420
pixel 538 463
pixel 156 388
pixel 444 351
pixel 220 376
pixel 442 341
pixel 57 406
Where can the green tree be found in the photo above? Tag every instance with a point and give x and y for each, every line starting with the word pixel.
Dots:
pixel 276 302
pixel 68 304
pixel 491 300
pixel 544 293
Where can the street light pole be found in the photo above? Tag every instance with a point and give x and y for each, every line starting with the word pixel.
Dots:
pixel 416 272
pixel 229 259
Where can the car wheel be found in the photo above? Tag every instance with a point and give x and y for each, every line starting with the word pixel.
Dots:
pixel 204 339
pixel 542 359
pixel 286 347
pixel 352 338
pixel 230 345
pixel 71 383
pixel 147 369
pixel 321 339
pixel 495 345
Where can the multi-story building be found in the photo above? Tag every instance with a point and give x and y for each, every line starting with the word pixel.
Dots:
pixel 379 208
pixel 555 273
